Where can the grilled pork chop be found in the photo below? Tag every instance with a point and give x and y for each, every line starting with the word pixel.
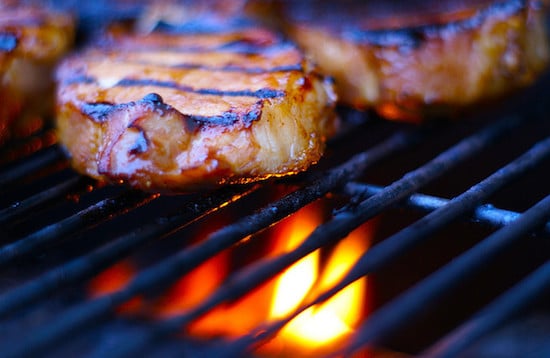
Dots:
pixel 186 110
pixel 32 40
pixel 411 59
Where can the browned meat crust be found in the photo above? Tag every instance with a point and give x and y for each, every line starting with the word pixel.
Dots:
pixel 181 111
pixel 414 59
pixel 32 40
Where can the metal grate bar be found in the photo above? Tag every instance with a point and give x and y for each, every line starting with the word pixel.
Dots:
pixel 485 214
pixel 25 206
pixel 510 303
pixel 37 161
pixel 87 314
pixel 399 243
pixel 444 280
pixel 340 226
pixel 91 216
pixel 86 266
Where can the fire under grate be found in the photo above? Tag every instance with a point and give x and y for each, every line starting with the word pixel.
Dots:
pixel 60 230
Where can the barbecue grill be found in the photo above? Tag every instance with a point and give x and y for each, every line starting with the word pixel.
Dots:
pixel 458 263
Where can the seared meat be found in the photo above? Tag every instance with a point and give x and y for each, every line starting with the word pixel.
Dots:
pixel 411 59
pixel 180 111
pixel 32 40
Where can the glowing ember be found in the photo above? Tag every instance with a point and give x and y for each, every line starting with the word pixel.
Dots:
pixel 114 279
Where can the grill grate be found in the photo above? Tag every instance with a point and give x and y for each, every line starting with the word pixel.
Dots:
pixel 523 294
pixel 448 277
pixel 335 180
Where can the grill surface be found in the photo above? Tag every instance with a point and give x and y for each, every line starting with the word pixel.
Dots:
pixel 53 243
pixel 461 246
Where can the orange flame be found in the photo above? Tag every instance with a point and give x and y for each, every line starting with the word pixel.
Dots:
pixel 197 285
pixel 316 330
pixel 321 325
pixel 299 278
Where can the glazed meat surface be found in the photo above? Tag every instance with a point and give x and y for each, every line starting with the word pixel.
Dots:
pixel 191 109
pixel 416 59
pixel 32 40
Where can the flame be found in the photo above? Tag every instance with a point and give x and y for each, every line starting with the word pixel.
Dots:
pixel 324 324
pixel 192 288
pixel 316 330
pixel 300 277
pixel 198 284
pixel 319 326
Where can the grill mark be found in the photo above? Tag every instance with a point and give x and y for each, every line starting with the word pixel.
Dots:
pixel 296 67
pixel 414 36
pixel 209 25
pixel 229 118
pixel 8 42
pixel 241 46
pixel 249 46
pixel 100 111
pixel 235 68
pixel 224 119
pixel 262 93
